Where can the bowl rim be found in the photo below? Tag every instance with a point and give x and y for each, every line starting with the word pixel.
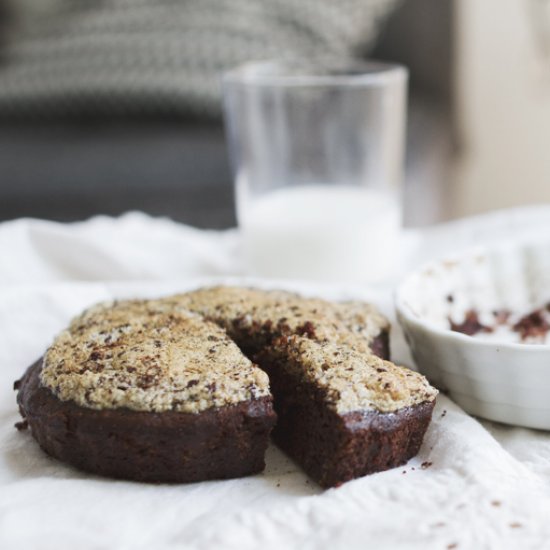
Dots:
pixel 405 312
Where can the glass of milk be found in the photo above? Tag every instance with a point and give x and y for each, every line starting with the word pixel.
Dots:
pixel 317 151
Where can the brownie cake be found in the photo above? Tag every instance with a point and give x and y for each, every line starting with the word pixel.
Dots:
pixel 168 390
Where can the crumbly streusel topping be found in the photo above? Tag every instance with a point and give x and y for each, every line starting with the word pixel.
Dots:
pixel 353 380
pixel 287 312
pixel 145 356
pixel 330 343
pixel 174 354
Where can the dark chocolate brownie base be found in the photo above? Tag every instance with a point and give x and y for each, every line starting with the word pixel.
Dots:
pixel 168 447
pixel 380 345
pixel 253 341
pixel 333 448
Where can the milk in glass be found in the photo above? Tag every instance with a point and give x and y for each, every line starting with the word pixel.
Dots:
pixel 321 232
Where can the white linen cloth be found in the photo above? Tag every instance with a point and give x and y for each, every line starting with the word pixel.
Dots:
pixel 474 484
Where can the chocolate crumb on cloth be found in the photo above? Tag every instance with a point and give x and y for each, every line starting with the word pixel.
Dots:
pixel 160 390
pixel 21 426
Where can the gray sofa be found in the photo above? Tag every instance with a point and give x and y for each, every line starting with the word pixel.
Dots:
pixel 72 168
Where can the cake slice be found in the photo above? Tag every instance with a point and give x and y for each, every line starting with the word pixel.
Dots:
pixel 344 413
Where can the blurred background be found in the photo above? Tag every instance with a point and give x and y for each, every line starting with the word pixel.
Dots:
pixel 115 105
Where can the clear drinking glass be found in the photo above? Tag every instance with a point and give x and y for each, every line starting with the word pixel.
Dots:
pixel 317 152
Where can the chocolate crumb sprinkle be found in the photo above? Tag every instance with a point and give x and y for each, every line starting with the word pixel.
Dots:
pixel 532 325
pixel 471 324
pixel 307 329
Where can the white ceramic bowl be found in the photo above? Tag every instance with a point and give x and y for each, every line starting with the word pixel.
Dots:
pixel 494 376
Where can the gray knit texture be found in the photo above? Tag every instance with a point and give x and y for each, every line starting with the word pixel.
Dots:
pixel 165 56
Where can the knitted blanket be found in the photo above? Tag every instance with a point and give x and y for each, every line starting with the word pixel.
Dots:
pixel 163 56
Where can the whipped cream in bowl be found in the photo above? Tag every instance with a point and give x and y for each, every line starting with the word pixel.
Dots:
pixel 478 325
